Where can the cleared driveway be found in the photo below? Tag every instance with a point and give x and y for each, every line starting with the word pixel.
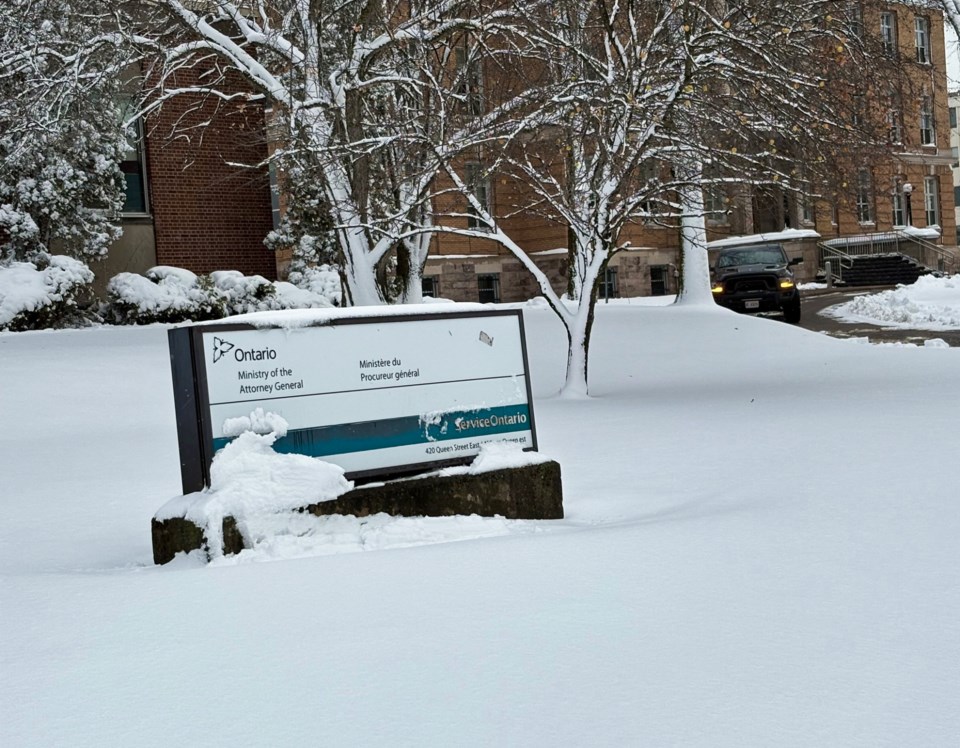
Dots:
pixel 816 301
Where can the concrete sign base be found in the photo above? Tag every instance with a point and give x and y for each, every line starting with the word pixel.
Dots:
pixel 528 492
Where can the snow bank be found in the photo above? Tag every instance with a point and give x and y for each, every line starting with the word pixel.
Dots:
pixel 39 293
pixel 929 304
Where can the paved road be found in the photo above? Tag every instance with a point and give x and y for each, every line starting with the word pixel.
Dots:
pixel 816 301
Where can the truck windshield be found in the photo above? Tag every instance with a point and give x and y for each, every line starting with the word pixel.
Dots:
pixel 765 256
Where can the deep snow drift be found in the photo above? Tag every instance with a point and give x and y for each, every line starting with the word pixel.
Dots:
pixel 760 549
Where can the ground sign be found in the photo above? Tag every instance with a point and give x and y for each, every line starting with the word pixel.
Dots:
pixel 378 396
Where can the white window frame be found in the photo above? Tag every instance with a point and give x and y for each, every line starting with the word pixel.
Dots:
pixel 478 182
pixel 898 208
pixel 805 204
pixel 888 31
pixel 469 70
pixel 715 204
pixel 928 129
pixel 896 126
pixel 921 38
pixel 931 200
pixel 864 202
pixel 135 152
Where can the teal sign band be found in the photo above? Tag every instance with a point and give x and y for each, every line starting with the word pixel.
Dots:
pixel 344 438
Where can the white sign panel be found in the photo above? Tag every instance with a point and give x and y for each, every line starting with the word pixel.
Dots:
pixel 373 395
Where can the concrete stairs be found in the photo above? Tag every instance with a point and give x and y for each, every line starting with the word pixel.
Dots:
pixel 883 270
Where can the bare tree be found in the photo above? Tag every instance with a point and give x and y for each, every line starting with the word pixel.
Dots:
pixel 350 101
pixel 638 98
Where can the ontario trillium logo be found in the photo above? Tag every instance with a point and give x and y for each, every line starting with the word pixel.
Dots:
pixel 221 348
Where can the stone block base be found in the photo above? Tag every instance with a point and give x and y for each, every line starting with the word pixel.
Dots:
pixel 528 492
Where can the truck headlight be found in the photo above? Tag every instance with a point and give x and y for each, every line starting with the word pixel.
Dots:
pixel 786 283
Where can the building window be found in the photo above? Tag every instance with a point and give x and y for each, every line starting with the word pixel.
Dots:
pixel 469 83
pixel 931 200
pixel 608 287
pixel 864 197
pixel 953 117
pixel 896 130
pixel 715 205
pixel 928 135
pixel 856 20
pixel 859 108
pixel 805 206
pixel 430 286
pixel 649 179
pixel 489 288
pixel 659 280
pixel 898 216
pixel 921 33
pixel 133 165
pixel 478 181
pixel 888 32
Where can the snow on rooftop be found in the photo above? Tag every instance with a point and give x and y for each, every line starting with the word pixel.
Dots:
pixel 787 235
pixel 928 232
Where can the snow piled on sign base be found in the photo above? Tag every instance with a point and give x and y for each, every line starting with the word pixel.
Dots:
pixel 262 489
pixel 248 478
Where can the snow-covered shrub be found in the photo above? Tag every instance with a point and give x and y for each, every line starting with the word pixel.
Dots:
pixel 244 293
pixel 322 281
pixel 169 294
pixel 166 294
pixel 47 292
pixel 254 293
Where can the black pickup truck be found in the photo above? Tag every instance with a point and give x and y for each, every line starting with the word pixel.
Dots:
pixel 757 279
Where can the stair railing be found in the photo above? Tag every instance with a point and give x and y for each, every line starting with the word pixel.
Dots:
pixel 838 259
pixel 925 252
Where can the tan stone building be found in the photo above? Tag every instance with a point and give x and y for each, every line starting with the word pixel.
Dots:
pixel 190 206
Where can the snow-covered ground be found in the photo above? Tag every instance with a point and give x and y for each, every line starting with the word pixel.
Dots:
pixel 760 549
pixel 929 304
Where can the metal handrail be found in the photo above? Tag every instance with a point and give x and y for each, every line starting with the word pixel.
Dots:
pixel 943 259
pixel 923 252
pixel 828 254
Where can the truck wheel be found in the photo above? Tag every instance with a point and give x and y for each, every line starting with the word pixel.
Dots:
pixel 791 313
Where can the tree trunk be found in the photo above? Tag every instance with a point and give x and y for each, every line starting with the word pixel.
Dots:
pixel 695 280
